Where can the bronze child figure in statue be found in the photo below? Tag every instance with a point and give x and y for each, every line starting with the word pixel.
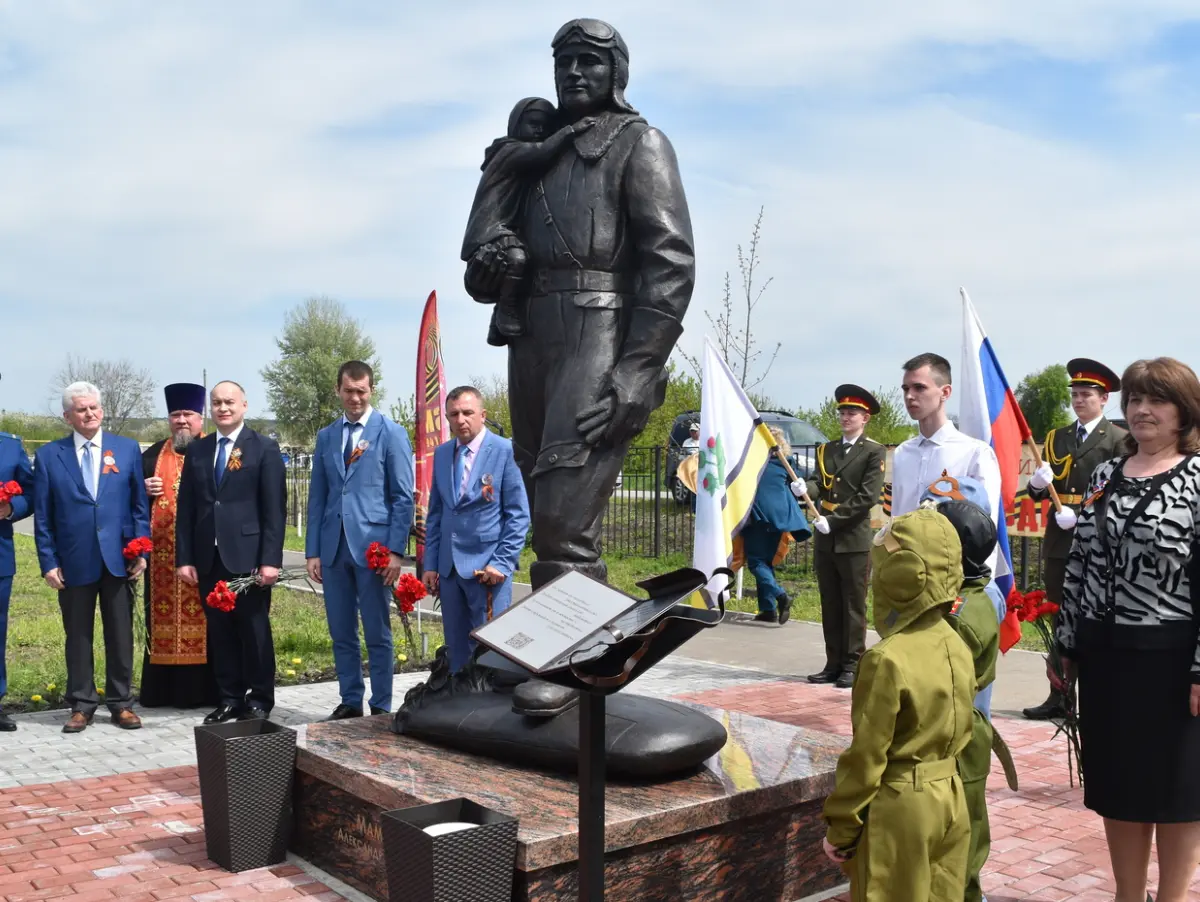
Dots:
pixel 507 166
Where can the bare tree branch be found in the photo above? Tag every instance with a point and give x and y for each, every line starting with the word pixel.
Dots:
pixel 125 392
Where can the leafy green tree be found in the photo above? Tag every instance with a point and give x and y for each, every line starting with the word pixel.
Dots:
pixel 318 337
pixel 683 393
pixel 1045 398
pixel 890 426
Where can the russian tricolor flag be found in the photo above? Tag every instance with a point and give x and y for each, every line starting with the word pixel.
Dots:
pixel 989 411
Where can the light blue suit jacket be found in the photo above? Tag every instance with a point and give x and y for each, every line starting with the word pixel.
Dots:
pixel 80 536
pixel 471 533
pixel 14 467
pixel 373 501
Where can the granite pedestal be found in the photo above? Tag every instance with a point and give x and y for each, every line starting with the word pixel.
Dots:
pixel 747 826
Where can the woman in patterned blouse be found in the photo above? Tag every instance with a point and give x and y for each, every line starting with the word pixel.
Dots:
pixel 1130 630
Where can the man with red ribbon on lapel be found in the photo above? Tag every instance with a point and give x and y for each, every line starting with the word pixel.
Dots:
pixel 232 514
pixel 476 525
pixel 361 493
pixel 89 503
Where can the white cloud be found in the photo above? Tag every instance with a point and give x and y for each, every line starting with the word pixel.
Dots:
pixel 173 179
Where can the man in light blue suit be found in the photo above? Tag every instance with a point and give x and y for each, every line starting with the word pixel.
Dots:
pixel 14 467
pixel 361 492
pixel 476 524
pixel 89 501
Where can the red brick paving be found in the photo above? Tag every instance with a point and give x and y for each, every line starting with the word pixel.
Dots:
pixel 139 837
pixel 133 837
pixel 1045 845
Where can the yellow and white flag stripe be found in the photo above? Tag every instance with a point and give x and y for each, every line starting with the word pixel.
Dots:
pixel 734 447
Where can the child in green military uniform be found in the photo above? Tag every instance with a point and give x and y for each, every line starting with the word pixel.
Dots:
pixel 898 815
pixel 974 617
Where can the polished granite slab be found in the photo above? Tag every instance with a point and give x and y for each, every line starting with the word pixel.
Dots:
pixel 750 815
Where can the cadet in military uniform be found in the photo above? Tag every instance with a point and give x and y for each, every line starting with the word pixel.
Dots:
pixel 965 504
pixel 849 479
pixel 1071 454
pixel 911 712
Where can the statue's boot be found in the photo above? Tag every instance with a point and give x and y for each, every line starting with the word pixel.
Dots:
pixel 536 698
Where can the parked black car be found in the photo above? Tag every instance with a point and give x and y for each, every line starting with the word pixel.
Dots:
pixel 801 435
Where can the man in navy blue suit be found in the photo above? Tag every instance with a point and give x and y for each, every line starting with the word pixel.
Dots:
pixel 232 512
pixel 89 501
pixel 361 492
pixel 476 524
pixel 14 467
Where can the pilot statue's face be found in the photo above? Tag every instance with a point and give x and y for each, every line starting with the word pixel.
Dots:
pixel 583 75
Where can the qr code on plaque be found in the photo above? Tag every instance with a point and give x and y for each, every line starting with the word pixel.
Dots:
pixel 518 640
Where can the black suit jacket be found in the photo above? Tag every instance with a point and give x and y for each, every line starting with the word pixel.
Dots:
pixel 245 516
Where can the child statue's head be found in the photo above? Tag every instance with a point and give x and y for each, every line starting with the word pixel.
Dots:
pixel 964 502
pixel 531 119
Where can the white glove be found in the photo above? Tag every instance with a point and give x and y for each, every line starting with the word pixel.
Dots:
pixel 1065 518
pixel 799 488
pixel 1041 477
pixel 822 525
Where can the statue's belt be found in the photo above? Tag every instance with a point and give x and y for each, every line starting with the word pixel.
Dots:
pixel 547 281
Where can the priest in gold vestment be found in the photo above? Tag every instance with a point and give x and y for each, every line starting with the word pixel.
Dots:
pixel 175 672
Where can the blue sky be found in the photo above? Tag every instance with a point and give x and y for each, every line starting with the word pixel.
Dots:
pixel 175 176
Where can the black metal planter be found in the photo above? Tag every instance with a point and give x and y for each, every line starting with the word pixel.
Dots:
pixel 246 772
pixel 474 865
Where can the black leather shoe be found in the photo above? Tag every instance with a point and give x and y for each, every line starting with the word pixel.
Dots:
pixel 344 712
pixel 222 714
pixel 253 713
pixel 825 676
pixel 535 698
pixel 1051 709
pixel 846 680
pixel 7 724
pixel 766 617
pixel 784 605
pixel 375 712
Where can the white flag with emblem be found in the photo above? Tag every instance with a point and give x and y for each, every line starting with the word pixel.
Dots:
pixel 734 448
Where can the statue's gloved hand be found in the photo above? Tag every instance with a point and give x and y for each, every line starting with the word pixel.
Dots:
pixel 485 272
pixel 613 420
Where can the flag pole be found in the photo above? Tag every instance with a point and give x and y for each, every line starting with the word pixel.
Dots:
pixel 812 508
pixel 1037 462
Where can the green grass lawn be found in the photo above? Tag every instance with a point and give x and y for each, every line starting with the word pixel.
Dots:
pixel 303 649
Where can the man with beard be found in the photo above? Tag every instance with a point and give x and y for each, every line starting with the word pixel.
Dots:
pixel 175 670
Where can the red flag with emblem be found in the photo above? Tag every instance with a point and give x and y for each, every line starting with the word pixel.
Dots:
pixel 430 415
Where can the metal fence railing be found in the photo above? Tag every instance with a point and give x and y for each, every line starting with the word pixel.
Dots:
pixel 648 515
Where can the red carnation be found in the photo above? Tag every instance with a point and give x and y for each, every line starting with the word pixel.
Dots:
pixel 221 597
pixel 10 490
pixel 712 442
pixel 409 590
pixel 378 556
pixel 136 548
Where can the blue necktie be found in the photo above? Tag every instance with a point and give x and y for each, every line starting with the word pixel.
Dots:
pixel 89 472
pixel 1080 434
pixel 219 470
pixel 349 449
pixel 460 459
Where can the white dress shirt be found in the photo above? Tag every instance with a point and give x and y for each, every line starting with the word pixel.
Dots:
pixel 361 425
pixel 97 453
pixel 233 437
pixel 919 461
pixel 1089 426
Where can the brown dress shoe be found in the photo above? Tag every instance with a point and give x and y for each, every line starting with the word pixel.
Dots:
pixel 77 723
pixel 126 719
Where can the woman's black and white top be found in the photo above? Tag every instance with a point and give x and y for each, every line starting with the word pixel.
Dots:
pixel 1147 590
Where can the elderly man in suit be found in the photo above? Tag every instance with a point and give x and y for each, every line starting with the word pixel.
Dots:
pixel 476 525
pixel 361 492
pixel 90 502
pixel 230 522
pixel 14 467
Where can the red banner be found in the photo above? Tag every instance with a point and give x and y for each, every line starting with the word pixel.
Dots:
pixel 431 426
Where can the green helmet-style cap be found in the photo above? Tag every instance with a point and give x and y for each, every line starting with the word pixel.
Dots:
pixel 917 562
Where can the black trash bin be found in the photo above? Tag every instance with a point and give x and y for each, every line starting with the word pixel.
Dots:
pixel 470 865
pixel 246 773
